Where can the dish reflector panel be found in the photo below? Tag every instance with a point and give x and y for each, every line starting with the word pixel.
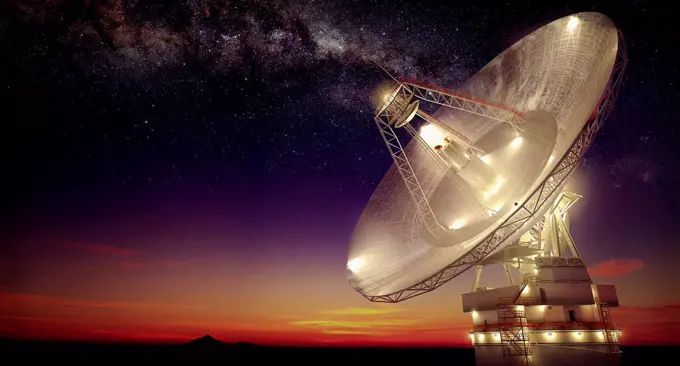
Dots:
pixel 555 76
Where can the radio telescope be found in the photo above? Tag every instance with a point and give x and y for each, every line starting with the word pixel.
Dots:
pixel 479 172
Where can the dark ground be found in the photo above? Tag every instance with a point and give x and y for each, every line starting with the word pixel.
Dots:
pixel 197 353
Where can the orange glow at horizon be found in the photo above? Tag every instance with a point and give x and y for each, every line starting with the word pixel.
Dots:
pixel 47 317
pixel 40 316
pixel 92 296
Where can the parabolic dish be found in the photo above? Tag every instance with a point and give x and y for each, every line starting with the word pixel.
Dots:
pixel 555 77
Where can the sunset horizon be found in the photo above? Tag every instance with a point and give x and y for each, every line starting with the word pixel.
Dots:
pixel 421 322
pixel 336 174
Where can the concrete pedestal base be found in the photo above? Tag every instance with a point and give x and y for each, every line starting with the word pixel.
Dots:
pixel 553 355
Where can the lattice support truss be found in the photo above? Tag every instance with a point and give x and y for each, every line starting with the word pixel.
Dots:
pixel 408 175
pixel 463 102
pixel 535 203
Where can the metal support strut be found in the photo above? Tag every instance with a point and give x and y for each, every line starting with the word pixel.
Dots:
pixel 409 177
pixel 392 112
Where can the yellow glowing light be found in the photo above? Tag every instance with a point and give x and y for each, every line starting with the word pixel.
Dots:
pixel 474 313
pixel 356 264
pixel 457 224
pixel 517 142
pixel 494 188
pixel 535 271
pixel 551 158
pixel 549 334
pixel 388 97
pixel 573 23
pixel 495 335
pixel 486 159
pixel 432 135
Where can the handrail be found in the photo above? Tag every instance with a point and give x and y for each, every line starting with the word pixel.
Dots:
pixel 520 301
pixel 517 299
pixel 546 326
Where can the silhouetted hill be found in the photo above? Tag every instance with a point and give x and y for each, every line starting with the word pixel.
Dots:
pixel 206 341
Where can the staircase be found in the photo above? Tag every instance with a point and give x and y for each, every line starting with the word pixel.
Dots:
pixel 514 328
pixel 514 334
pixel 608 328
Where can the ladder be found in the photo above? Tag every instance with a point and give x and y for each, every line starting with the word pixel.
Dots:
pixel 514 327
pixel 514 334
pixel 608 328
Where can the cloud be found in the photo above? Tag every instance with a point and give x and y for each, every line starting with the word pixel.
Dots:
pixel 173 264
pixel 107 250
pixel 439 329
pixel 615 267
pixel 349 332
pixel 357 320
pixel 667 309
pixel 129 264
pixel 373 323
pixel 38 319
pixel 140 336
pixel 362 311
pixel 142 263
pixel 126 258
pixel 79 328
pixel 21 301
pixel 385 329
pixel 648 324
pixel 384 325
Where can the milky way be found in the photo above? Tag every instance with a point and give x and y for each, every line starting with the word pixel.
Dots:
pixel 135 40
pixel 186 89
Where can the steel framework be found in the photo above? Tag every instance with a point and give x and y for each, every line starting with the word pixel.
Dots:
pixel 532 206
pixel 514 334
pixel 408 175
pixel 392 113
pixel 558 237
pixel 514 327
pixel 463 102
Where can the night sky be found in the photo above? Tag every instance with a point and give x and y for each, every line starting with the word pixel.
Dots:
pixel 172 169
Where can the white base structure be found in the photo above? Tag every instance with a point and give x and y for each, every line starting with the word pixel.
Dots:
pixel 554 356
pixel 556 315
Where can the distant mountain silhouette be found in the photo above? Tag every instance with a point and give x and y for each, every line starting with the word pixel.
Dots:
pixel 206 341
